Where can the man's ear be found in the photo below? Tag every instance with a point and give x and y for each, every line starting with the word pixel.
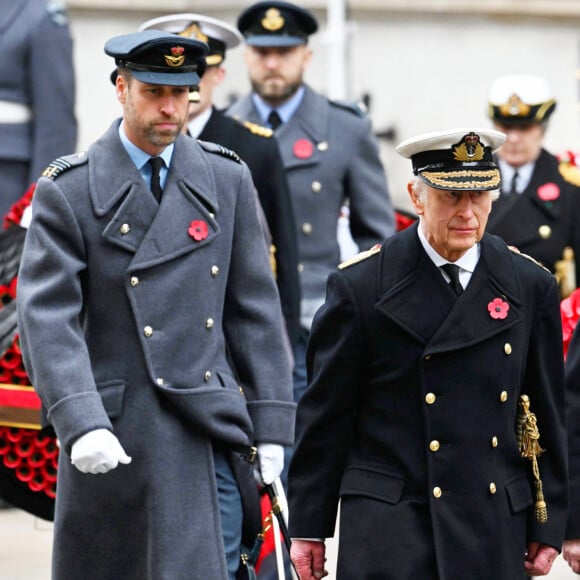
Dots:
pixel 415 198
pixel 121 89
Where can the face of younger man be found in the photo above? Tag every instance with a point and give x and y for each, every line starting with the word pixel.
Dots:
pixel 153 114
pixel 276 73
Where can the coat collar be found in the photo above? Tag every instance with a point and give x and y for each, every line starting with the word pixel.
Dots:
pixel 155 233
pixel 415 296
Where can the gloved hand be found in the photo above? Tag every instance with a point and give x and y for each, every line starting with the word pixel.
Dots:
pixel 270 463
pixel 97 451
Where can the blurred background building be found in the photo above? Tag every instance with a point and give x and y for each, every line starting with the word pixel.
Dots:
pixel 420 64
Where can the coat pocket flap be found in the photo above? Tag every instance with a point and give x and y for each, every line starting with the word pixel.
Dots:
pixel 372 483
pixel 519 494
pixel 112 394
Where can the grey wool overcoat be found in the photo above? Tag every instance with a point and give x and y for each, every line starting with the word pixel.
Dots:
pixel 162 324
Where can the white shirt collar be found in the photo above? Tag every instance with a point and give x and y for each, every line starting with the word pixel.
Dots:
pixel 467 262
pixel 198 123
pixel 507 174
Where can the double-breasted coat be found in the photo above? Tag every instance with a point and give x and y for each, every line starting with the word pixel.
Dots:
pixel 162 324
pixel 37 85
pixel 262 156
pixel 545 218
pixel 410 417
pixel 331 157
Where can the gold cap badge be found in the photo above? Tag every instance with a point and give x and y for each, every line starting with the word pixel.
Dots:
pixel 177 56
pixel 273 20
pixel 468 149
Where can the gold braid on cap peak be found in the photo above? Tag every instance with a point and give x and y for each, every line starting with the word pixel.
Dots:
pixel 529 445
pixel 442 179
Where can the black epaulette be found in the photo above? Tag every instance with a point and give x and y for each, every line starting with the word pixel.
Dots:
pixel 360 257
pixel 516 251
pixel 220 150
pixel 570 173
pixel 350 106
pixel 62 164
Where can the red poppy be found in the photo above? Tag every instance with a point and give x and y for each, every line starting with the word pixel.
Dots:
pixel 548 192
pixel 198 230
pixel 498 309
pixel 570 314
pixel 303 149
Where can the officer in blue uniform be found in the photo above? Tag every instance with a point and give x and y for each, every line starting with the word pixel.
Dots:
pixel 252 142
pixel 538 210
pixel 37 93
pixel 151 327
pixel 414 416
pixel 328 150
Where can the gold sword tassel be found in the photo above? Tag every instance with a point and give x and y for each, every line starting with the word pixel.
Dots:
pixel 529 446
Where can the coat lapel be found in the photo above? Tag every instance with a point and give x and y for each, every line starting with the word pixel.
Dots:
pixel 155 233
pixel 185 204
pixel 309 123
pixel 415 296
pixel 470 322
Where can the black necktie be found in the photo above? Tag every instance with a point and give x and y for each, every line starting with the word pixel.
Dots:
pixel 513 188
pixel 453 272
pixel 156 165
pixel 274 119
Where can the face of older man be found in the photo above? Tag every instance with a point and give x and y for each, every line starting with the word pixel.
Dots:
pixel 523 143
pixel 452 221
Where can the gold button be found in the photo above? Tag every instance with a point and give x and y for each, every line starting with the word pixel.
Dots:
pixel 160 381
pixel 494 441
pixel 507 347
pixel 307 228
pixel 241 390
pixel 207 376
pixel 209 323
pixel 125 229
pixel 492 488
pixel 545 232
pixel 134 281
pixel 434 445
pixel 430 398
pixel 300 267
pixel 316 186
pixel 211 215
pixel 428 357
pixel 322 146
pixel 214 271
pixel 503 396
pixel 148 331
pixel 437 492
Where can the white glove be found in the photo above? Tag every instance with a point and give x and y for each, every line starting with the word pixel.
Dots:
pixel 270 463
pixel 98 451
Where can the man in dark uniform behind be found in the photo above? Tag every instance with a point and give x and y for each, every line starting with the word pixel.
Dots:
pixel 538 210
pixel 328 149
pixel 252 142
pixel 414 416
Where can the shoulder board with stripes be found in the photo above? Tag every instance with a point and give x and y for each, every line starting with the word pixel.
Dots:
pixel 570 173
pixel 360 257
pixel 351 107
pixel 220 150
pixel 516 251
pixel 62 164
